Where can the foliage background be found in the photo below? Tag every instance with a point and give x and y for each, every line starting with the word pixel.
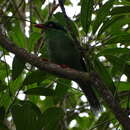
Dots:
pixel 102 27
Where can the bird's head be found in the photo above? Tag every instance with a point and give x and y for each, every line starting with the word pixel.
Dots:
pixel 50 25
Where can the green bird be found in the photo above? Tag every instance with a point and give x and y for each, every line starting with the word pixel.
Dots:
pixel 62 50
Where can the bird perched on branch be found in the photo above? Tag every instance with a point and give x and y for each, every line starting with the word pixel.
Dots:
pixel 62 50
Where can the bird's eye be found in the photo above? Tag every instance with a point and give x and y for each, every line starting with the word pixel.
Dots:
pixel 50 25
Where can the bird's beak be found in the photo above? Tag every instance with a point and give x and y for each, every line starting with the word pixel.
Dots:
pixel 42 26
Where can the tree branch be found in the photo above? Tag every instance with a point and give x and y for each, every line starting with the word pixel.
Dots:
pixel 39 62
pixel 120 114
pixel 69 74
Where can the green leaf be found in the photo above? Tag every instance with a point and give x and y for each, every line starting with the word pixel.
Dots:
pixel 16 84
pixel 86 13
pixel 105 76
pixel 51 118
pixel 105 117
pixel 47 103
pixel 113 51
pixel 120 10
pixel 61 89
pixel 108 23
pixel 82 125
pixel 121 38
pixel 40 91
pixel 26 115
pixel 35 77
pixel 5 99
pixel 44 14
pixel 17 67
pixel 117 27
pixel 117 64
pixel 4 68
pixel 33 39
pixel 17 36
pixel 122 86
pixel 101 14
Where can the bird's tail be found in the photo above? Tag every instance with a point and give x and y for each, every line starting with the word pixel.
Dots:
pixel 92 98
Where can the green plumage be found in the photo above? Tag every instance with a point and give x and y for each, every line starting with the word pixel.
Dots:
pixel 61 50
